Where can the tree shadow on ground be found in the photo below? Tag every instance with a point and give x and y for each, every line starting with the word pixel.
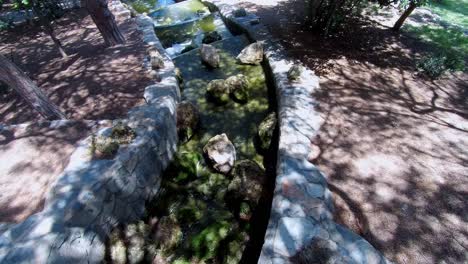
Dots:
pixel 96 82
pixel 393 144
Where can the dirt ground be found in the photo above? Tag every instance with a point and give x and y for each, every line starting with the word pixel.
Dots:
pixel 30 161
pixel 394 145
pixel 96 82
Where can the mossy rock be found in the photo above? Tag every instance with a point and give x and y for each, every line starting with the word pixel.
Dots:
pixel 238 86
pixel 103 147
pixel 211 37
pixel 187 120
pixel 295 72
pixel 210 185
pixel 247 183
pixel 188 210
pixel 168 234
pixel 266 130
pixel 245 212
pixel 218 92
pixel 205 244
pixel 235 248
pixel 122 133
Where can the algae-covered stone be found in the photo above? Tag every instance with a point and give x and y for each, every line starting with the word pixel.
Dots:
pixel 212 185
pixel 221 153
pixel 207 242
pixel 188 210
pixel 168 234
pixel 252 54
pixel 187 120
pixel 210 55
pixel 236 247
pixel 245 213
pixel 218 91
pixel 238 86
pixel 247 183
pixel 211 37
pixel 122 133
pixel 266 130
pixel 294 73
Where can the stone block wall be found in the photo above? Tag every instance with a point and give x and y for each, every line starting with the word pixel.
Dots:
pixel 92 196
pixel 301 222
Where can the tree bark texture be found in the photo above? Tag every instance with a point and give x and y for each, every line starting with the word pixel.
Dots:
pixel 404 16
pixel 105 21
pixel 12 76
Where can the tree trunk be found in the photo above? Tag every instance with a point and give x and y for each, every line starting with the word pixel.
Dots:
pixel 50 30
pixel 404 16
pixel 17 80
pixel 105 21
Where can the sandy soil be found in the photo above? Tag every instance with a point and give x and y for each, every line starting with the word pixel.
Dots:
pixel 30 161
pixel 96 82
pixel 394 145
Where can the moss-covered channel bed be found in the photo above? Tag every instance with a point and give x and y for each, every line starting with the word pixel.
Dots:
pixel 200 215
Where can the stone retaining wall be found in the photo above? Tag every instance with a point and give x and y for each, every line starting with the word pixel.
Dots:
pixel 92 196
pixel 301 221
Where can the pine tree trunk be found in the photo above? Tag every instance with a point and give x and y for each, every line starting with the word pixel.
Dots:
pixel 105 21
pixel 17 80
pixel 404 16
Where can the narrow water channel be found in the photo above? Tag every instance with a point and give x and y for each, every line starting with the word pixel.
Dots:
pixel 200 215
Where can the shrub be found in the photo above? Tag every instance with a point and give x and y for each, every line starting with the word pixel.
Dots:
pixel 434 65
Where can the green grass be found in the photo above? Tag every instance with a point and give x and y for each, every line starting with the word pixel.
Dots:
pixel 452 11
pixel 451 39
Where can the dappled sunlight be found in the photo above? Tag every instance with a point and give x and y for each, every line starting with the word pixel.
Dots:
pixel 96 82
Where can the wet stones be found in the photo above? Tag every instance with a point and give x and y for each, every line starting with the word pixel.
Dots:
pixel 211 37
pixel 187 120
pixel 210 56
pixel 221 153
pixel 238 87
pixel 168 233
pixel 294 73
pixel 266 130
pixel 252 54
pixel 247 183
pixel 218 92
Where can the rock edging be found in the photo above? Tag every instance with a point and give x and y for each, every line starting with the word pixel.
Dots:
pixel 92 196
pixel 301 220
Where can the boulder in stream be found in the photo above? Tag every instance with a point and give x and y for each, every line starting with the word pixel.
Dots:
pixel 211 37
pixel 252 54
pixel 221 153
pixel 266 129
pixel 187 120
pixel 247 182
pixel 218 92
pixel 238 87
pixel 210 55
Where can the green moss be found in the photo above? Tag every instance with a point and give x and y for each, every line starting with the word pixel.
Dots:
pixel 205 244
